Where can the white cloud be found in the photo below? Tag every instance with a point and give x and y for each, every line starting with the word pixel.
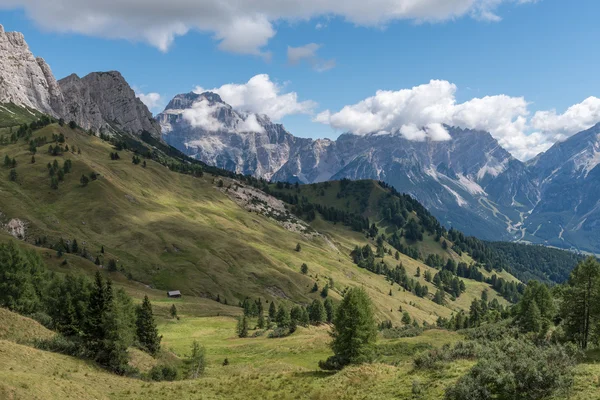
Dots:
pixel 575 119
pixel 204 115
pixel 239 26
pixel 152 100
pixel 260 95
pixel 418 114
pixel 308 53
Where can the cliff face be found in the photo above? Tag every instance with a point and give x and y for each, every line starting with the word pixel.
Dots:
pixel 104 101
pixel 24 79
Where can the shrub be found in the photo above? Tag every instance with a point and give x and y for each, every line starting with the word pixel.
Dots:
pixel 163 373
pixel 401 332
pixel 516 369
pixel 278 333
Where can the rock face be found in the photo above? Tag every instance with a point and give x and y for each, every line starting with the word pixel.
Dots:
pixel 568 175
pixel 206 128
pixel 24 79
pixel 104 101
pixel 470 182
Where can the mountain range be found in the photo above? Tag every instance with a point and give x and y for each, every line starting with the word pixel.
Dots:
pixel 469 182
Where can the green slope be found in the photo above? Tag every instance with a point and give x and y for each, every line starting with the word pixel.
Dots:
pixel 170 231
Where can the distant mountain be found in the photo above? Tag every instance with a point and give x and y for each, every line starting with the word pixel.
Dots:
pixel 462 181
pixel 469 182
pixel 102 101
pixel 568 178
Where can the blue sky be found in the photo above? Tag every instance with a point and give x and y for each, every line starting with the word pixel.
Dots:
pixel 545 52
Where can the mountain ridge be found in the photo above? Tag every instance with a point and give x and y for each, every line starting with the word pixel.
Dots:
pixel 469 182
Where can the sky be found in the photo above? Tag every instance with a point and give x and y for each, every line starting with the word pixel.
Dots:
pixel 527 71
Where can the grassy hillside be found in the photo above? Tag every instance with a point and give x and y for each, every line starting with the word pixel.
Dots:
pixel 278 369
pixel 215 237
pixel 173 231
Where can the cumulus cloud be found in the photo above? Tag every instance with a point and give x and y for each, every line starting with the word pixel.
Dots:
pixel 152 100
pixel 419 114
pixel 308 53
pixel 238 26
pixel 203 114
pixel 577 118
pixel 260 95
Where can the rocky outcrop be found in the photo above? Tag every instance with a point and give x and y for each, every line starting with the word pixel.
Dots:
pixel 104 101
pixel 24 79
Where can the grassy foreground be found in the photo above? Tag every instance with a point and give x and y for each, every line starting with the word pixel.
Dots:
pixel 274 368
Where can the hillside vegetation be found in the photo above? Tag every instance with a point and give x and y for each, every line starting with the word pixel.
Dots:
pixel 251 259
pixel 171 230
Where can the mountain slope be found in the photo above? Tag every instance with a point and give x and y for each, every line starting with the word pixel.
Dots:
pixel 569 180
pixel 469 182
pixel 193 233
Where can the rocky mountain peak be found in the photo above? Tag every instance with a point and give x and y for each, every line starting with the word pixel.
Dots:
pixel 24 79
pixel 104 101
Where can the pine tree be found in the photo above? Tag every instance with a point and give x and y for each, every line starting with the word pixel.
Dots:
pixel 315 288
pixel 581 297
pixel 147 333
pixel 354 331
pixel 329 309
pixel 418 272
pixel 282 319
pixel 298 247
pixel 173 311
pixel 304 269
pixel 112 265
pixel 406 318
pixel 325 291
pixel 242 326
pixel 74 247
pixel 317 313
pixel 12 175
pixel 84 180
pixel 272 311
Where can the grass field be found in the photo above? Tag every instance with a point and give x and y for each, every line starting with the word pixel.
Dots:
pixel 283 368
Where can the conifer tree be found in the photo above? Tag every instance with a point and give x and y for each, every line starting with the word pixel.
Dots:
pixel 282 319
pixel 146 330
pixel 242 327
pixel 304 269
pixel 317 313
pixel 173 311
pixel 329 309
pixel 406 318
pixel 354 331
pixel 272 311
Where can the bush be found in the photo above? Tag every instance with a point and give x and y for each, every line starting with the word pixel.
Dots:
pixel 517 369
pixel 62 345
pixel 163 373
pixel 278 333
pixel 43 319
pixel 436 358
pixel 401 332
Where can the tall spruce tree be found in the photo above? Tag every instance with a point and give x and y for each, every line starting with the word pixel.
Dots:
pixel 147 333
pixel 581 297
pixel 354 331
